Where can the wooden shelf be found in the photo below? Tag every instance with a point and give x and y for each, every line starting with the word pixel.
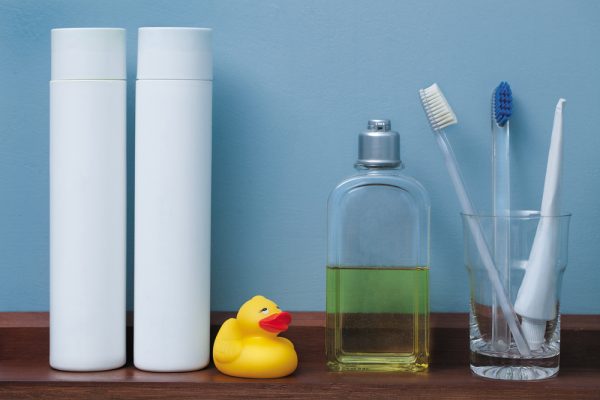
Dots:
pixel 24 370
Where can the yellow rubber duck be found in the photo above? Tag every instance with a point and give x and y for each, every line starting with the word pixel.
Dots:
pixel 248 346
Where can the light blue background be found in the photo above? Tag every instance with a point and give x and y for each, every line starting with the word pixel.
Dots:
pixel 294 83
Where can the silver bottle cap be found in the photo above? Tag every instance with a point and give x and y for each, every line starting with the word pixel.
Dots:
pixel 379 146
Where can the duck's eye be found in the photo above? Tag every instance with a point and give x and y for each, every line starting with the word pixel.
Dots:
pixel 265 310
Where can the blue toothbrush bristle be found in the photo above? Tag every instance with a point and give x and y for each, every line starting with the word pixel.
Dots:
pixel 502 103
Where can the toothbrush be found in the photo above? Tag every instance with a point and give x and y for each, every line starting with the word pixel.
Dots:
pixel 536 299
pixel 440 116
pixel 501 113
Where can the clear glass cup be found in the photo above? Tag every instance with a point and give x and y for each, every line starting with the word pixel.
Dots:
pixel 493 352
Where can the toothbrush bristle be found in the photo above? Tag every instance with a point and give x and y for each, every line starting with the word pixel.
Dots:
pixel 502 103
pixel 436 107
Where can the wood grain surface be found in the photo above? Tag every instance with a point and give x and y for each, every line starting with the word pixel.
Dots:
pixel 25 374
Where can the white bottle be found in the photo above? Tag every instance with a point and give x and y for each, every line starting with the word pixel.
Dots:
pixel 87 199
pixel 172 199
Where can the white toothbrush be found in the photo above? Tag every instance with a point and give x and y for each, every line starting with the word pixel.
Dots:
pixel 536 299
pixel 440 116
pixel 500 115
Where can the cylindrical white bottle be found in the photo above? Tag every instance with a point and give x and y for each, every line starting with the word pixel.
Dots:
pixel 172 199
pixel 87 199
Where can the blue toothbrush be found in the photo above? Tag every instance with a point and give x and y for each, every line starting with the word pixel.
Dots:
pixel 501 113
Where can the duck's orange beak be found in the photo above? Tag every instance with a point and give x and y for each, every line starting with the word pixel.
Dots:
pixel 276 323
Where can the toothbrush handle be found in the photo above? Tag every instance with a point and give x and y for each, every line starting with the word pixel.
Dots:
pixel 501 170
pixel 455 174
pixel 484 251
pixel 501 199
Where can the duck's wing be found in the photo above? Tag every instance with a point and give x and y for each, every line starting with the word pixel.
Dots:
pixel 228 343
pixel 286 341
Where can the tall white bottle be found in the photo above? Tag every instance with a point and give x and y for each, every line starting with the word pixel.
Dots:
pixel 172 199
pixel 87 199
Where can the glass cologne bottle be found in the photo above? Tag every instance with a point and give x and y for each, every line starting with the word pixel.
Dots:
pixel 378 262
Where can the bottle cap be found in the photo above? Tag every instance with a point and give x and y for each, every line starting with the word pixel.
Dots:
pixel 175 53
pixel 379 146
pixel 88 53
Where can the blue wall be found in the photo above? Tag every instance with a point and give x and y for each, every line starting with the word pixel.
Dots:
pixel 294 83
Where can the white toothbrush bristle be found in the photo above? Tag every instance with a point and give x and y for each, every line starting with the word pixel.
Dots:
pixel 436 107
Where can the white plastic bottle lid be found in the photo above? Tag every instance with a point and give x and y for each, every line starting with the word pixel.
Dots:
pixel 175 53
pixel 88 53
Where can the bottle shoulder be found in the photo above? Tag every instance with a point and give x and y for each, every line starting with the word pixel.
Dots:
pixel 399 180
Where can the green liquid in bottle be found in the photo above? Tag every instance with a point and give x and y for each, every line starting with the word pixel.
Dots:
pixel 377 318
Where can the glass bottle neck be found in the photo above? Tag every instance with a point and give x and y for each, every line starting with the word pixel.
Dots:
pixel 378 169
